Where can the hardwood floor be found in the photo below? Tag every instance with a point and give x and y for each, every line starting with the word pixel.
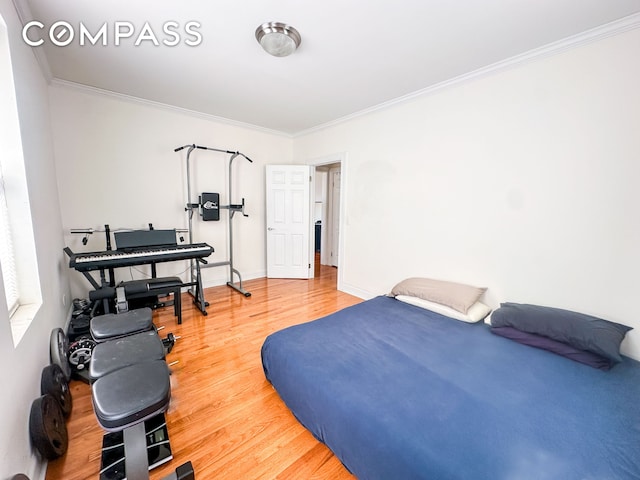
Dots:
pixel 224 416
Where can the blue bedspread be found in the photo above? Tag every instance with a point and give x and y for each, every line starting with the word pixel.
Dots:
pixel 397 392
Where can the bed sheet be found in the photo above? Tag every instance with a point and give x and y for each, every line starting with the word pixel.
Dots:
pixel 397 392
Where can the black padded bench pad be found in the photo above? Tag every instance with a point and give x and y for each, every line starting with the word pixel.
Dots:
pixel 134 287
pixel 110 325
pixel 138 287
pixel 113 355
pixel 131 395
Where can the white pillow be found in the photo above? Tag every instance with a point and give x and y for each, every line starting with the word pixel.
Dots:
pixel 476 312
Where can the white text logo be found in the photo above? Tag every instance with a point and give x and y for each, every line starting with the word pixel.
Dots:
pixel 62 33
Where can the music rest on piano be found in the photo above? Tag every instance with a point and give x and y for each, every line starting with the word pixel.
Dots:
pixel 136 256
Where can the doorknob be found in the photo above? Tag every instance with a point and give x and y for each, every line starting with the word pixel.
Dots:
pixel 269 228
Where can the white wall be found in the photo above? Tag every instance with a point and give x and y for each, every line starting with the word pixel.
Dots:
pixel 22 365
pixel 116 165
pixel 524 181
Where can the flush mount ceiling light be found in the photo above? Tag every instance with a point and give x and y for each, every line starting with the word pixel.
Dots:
pixel 278 39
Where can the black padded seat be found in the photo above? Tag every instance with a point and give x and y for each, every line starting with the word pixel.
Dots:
pixel 107 357
pixel 113 325
pixel 131 395
pixel 156 286
pixel 150 285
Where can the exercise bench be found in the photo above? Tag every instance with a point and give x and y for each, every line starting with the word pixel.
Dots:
pixel 130 385
pixel 123 400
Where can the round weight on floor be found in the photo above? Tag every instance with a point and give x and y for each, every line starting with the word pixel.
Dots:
pixel 47 428
pixel 58 346
pixel 55 384
pixel 80 353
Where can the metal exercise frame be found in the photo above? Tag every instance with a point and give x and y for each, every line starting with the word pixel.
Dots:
pixel 232 208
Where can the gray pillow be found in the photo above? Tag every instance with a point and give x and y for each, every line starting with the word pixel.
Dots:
pixel 576 329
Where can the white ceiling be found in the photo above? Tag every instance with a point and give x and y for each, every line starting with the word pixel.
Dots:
pixel 354 55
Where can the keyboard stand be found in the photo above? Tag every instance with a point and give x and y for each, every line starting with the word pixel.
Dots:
pixel 97 286
pixel 198 298
pixel 107 285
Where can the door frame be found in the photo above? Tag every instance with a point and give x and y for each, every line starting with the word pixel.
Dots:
pixel 341 158
pixel 333 227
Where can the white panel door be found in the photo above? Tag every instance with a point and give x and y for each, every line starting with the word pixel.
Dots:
pixel 288 221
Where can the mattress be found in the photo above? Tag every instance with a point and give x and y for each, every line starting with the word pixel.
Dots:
pixel 396 391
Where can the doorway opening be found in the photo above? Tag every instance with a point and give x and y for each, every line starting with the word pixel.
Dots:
pixel 326 215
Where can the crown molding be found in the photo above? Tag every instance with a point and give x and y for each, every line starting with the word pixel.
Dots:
pixel 59 83
pixel 25 16
pixel 616 27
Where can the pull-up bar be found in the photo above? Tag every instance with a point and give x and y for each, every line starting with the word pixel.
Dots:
pixel 231 207
pixel 192 146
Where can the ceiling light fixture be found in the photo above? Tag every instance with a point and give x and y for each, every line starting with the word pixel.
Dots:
pixel 278 39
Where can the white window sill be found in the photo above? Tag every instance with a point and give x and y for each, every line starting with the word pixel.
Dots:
pixel 21 319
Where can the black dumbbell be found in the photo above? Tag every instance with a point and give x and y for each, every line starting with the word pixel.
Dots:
pixel 169 342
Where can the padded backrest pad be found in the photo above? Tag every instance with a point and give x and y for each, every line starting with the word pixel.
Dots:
pixel 131 394
pixel 115 354
pixel 112 325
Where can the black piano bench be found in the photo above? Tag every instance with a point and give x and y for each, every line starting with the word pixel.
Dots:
pixel 123 400
pixel 149 288
pixel 154 287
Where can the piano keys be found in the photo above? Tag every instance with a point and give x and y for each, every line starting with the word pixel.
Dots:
pixel 89 261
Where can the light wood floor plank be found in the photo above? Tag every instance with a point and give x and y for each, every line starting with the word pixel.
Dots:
pixel 224 416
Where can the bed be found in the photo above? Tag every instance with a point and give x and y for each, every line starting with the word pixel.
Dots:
pixel 400 392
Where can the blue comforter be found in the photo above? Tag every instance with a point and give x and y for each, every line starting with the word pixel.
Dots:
pixel 397 392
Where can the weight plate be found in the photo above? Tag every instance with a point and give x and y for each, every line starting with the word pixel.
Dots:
pixel 19 476
pixel 47 428
pixel 55 384
pixel 80 353
pixel 58 346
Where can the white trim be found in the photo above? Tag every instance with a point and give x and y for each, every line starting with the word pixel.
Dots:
pixel 341 158
pixel 21 320
pixel 607 30
pixel 25 16
pixel 615 27
pixel 56 82
pixel 357 292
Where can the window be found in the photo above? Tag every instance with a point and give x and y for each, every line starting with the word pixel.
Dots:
pixel 7 261
pixel 19 276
